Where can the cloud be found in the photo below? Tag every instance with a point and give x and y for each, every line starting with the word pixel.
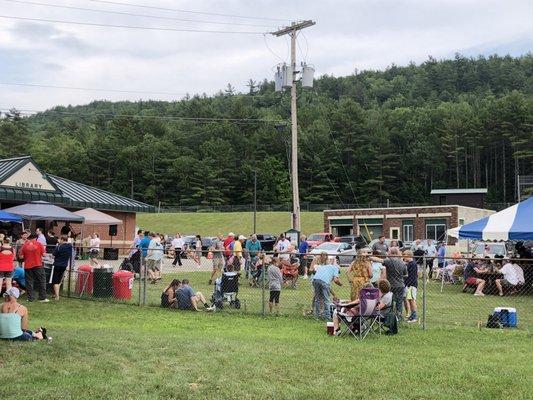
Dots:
pixel 350 34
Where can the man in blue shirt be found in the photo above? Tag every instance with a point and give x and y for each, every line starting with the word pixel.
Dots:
pixel 303 248
pixel 441 255
pixel 252 247
pixel 324 275
pixel 188 299
pixel 143 246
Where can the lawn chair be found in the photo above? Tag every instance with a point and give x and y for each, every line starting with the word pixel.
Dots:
pixel 367 318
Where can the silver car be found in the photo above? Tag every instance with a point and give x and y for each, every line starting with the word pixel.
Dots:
pixel 338 250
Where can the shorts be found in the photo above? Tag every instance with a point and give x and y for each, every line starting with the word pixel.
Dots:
pixel 471 281
pixel 25 337
pixel 6 274
pixel 274 296
pixel 153 265
pixel 410 293
pixel 93 253
pixel 58 274
pixel 218 263
pixel 505 282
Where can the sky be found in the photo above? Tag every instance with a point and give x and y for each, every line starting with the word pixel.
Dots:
pixel 165 65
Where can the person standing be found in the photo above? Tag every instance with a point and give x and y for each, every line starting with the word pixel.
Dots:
pixel 7 260
pixel 40 237
pixel 217 247
pixel 94 249
pixel 378 270
pixel 303 249
pixel 18 245
pixel 251 249
pixel 51 242
pixel 228 244
pixel 63 254
pixel 198 250
pixel 411 286
pixel 380 246
pixel 154 255
pixel 441 256
pixel 177 245
pixel 32 252
pixel 237 251
pixel 324 274
pixel 275 281
pixel 396 273
pixel 430 252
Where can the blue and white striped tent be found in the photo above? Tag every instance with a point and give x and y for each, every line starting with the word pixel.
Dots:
pixel 513 223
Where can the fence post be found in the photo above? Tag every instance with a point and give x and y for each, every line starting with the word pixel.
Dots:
pixel 424 294
pixel 141 273
pixel 263 287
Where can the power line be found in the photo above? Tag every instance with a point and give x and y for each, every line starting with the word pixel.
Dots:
pixel 185 11
pixel 38 85
pixel 131 14
pixel 128 26
pixel 161 117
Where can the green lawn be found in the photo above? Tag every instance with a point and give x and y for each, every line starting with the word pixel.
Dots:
pixel 112 351
pixel 210 224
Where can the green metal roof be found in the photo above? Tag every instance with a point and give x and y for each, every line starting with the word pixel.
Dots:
pixel 67 193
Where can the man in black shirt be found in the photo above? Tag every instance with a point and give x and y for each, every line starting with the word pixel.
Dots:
pixel 51 242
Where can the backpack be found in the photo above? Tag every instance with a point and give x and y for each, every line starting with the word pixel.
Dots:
pixel 494 321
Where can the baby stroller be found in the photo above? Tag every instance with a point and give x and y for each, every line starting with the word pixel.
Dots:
pixel 226 289
pixel 290 270
pixel 256 272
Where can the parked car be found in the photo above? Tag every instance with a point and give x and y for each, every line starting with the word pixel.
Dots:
pixel 357 241
pixel 492 250
pixel 317 239
pixel 207 242
pixel 334 249
pixel 267 241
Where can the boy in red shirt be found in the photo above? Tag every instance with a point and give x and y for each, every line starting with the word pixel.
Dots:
pixel 32 253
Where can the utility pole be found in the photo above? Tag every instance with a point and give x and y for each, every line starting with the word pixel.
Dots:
pixel 292 31
pixel 255 202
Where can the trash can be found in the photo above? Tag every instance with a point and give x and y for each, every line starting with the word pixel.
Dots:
pixel 84 282
pixel 103 282
pixel 110 253
pixel 122 284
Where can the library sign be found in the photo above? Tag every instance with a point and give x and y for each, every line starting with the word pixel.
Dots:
pixel 28 177
pixel 28 185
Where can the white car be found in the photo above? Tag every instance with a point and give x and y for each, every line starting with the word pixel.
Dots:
pixel 335 251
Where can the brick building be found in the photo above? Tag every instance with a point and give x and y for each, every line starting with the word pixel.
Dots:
pixel 22 181
pixel 404 223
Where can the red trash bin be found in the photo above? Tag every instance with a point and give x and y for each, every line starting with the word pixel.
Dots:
pixel 122 284
pixel 84 283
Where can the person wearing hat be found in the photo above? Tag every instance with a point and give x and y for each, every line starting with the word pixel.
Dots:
pixel 14 319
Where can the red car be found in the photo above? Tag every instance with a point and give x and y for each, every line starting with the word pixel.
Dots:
pixel 316 239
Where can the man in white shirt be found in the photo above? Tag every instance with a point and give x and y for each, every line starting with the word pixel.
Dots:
pixel 40 237
pixel 283 247
pixel 512 276
pixel 177 245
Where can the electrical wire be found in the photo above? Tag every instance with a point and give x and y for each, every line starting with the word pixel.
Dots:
pixel 132 14
pixel 272 51
pixel 161 117
pixel 184 11
pixel 36 85
pixel 128 26
pixel 306 45
pixel 344 168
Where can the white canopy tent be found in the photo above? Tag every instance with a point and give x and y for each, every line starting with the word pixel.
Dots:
pixel 95 217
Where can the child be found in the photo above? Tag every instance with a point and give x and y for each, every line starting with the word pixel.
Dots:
pixel 275 281
pixel 411 285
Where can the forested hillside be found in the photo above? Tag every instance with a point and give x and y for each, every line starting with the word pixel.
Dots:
pixel 364 138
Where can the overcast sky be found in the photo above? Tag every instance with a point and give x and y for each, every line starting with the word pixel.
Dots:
pixel 349 35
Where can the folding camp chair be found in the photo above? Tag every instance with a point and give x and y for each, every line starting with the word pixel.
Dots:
pixel 367 319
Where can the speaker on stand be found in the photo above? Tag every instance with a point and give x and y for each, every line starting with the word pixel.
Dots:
pixel 112 254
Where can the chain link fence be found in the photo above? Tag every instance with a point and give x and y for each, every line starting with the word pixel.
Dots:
pixel 453 291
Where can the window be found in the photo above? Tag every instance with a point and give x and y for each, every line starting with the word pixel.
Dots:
pixel 407 234
pixel 395 233
pixel 436 229
pixel 461 222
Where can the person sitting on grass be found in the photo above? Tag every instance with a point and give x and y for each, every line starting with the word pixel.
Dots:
pixel 513 276
pixel 14 319
pixel 168 297
pixel 469 275
pixel 275 281
pixel 351 308
pixel 188 299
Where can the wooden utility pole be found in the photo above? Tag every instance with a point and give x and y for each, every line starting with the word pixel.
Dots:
pixel 292 31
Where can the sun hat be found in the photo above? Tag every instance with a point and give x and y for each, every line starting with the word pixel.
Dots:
pixel 241 237
pixel 12 292
pixel 231 234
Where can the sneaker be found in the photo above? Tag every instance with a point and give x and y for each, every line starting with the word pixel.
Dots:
pixel 305 277
pixel 211 309
pixel 412 320
pixel 337 332
pixel 44 301
pixel 478 294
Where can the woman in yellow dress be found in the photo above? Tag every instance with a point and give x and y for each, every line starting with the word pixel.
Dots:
pixel 359 273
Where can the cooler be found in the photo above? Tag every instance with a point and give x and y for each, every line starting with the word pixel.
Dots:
pixel 84 283
pixel 508 316
pixel 122 284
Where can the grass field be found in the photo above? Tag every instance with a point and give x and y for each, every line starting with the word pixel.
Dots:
pixel 210 224
pixel 111 351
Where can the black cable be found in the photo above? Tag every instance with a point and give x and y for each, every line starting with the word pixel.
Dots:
pixel 38 85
